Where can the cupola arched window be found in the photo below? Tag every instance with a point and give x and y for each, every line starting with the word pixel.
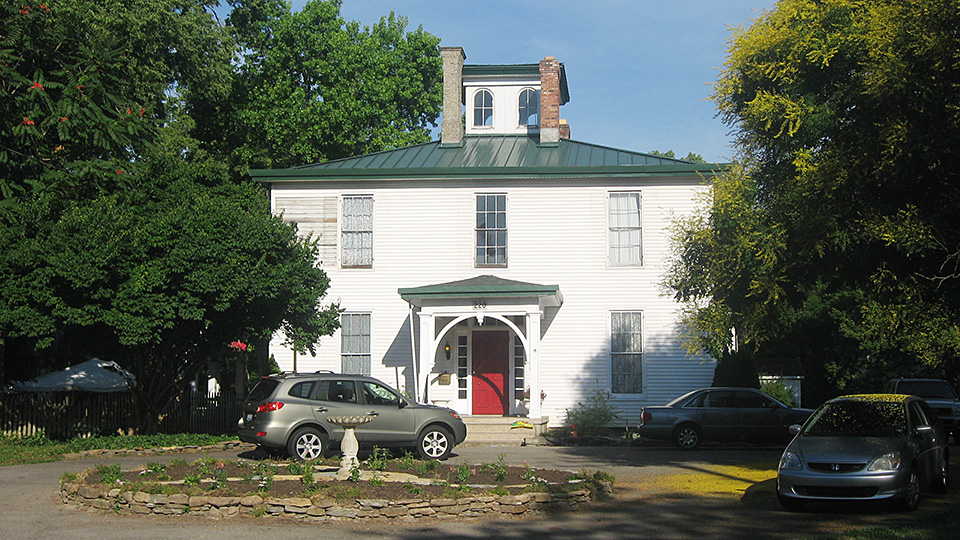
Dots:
pixel 529 107
pixel 483 108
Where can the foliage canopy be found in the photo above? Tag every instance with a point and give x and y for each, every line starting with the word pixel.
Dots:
pixel 840 232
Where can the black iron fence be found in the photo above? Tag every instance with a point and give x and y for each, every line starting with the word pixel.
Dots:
pixel 63 415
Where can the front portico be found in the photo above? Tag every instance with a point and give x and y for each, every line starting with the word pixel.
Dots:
pixel 479 344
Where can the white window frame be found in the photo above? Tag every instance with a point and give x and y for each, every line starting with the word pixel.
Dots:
pixel 475 109
pixel 361 341
pixel 618 229
pixel 520 109
pixel 496 230
pixel 351 231
pixel 615 339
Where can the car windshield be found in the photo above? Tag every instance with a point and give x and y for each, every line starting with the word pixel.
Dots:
pixel 927 389
pixel 858 418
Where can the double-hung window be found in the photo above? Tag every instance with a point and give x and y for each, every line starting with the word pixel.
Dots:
pixel 626 352
pixel 529 106
pixel 357 232
pixel 355 343
pixel 625 239
pixel 491 230
pixel 483 108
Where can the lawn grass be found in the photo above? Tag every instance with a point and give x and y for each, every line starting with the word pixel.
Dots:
pixel 22 451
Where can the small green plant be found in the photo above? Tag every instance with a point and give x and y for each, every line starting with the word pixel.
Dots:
pixel 463 472
pixel 377 480
pixel 178 462
pixel 154 468
pixel 295 468
pixel 499 491
pixel 110 474
pixel 354 474
pixel 68 477
pixel 219 479
pixel 499 469
pixel 414 489
pixel 379 459
pixel 425 468
pixel 536 482
pixel 204 466
pixel 406 461
pixel 259 511
pixel 191 480
pixel 307 477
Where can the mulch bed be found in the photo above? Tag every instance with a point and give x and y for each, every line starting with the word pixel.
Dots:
pixel 266 479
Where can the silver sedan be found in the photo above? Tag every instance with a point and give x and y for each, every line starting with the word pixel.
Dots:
pixel 865 447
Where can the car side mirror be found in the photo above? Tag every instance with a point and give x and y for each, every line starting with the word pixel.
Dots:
pixel 794 429
pixel 402 404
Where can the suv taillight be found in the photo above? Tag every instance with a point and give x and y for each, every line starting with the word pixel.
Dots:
pixel 645 417
pixel 270 406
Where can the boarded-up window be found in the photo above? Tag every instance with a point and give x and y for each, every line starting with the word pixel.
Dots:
pixel 315 217
pixel 357 231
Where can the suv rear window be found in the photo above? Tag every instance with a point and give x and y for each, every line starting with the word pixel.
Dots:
pixel 927 389
pixel 263 390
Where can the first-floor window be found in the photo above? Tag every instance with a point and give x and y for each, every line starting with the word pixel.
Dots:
pixel 626 352
pixel 355 343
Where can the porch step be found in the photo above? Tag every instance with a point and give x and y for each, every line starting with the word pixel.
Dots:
pixel 499 431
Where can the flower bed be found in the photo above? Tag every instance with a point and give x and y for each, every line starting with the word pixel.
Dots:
pixel 383 488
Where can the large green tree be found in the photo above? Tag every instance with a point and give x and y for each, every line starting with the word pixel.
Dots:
pixel 840 235
pixel 86 85
pixel 312 87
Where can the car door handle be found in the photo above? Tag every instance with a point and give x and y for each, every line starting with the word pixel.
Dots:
pixel 373 413
pixel 321 409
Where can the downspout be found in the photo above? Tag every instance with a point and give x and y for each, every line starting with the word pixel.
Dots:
pixel 413 351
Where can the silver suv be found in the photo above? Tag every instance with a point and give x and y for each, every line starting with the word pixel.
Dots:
pixel 289 412
pixel 936 392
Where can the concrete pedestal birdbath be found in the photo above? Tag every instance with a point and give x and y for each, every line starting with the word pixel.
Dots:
pixel 349 444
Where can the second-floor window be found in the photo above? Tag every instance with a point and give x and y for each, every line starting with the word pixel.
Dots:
pixel 491 230
pixel 529 108
pixel 626 247
pixel 483 108
pixel 357 232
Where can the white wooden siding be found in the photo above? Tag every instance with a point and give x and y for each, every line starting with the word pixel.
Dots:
pixel 557 235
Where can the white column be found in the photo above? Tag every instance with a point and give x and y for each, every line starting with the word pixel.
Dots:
pixel 532 371
pixel 428 353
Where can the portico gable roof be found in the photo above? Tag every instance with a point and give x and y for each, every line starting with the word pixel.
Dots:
pixel 483 287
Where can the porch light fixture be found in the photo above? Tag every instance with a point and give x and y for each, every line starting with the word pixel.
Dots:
pixel 446 349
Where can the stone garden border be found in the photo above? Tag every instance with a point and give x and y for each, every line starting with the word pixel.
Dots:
pixel 118 500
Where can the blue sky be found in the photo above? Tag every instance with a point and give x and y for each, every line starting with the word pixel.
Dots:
pixel 639 71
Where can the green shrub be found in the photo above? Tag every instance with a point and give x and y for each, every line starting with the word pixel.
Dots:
pixel 191 480
pixel 378 459
pixel 778 391
pixel 592 417
pixel 425 468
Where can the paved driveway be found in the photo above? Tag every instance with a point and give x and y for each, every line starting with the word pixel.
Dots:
pixel 645 505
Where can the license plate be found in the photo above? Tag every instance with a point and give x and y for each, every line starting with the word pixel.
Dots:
pixel 249 418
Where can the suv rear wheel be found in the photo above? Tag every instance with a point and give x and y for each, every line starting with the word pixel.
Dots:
pixel 307 444
pixel 435 442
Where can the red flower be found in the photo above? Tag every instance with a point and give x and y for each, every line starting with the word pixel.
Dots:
pixel 63 118
pixel 119 171
pixel 25 10
pixel 238 345
pixel 27 122
pixel 36 85
pixel 142 111
pixel 44 8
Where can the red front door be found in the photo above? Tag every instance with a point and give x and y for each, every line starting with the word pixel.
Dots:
pixel 490 361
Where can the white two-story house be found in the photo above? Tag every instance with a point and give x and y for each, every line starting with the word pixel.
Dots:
pixel 505 269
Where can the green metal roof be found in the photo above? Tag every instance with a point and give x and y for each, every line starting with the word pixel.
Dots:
pixel 481 287
pixel 511 156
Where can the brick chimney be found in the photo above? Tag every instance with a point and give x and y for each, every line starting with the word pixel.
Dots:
pixel 564 129
pixel 451 126
pixel 549 101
